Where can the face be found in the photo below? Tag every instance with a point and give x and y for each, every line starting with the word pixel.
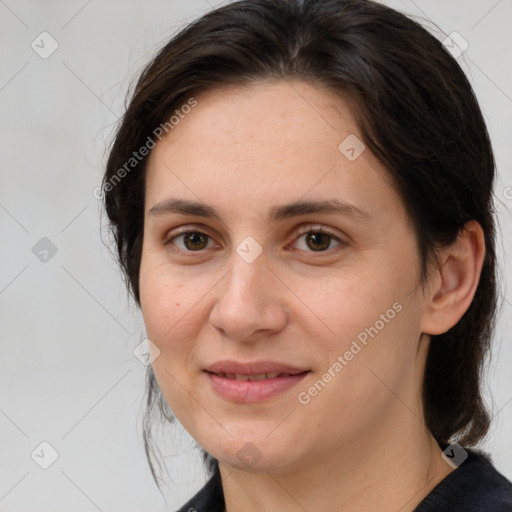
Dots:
pixel 302 255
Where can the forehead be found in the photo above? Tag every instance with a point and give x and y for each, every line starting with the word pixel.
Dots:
pixel 294 110
pixel 270 142
pixel 262 118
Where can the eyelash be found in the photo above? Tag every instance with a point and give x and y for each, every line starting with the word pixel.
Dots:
pixel 306 230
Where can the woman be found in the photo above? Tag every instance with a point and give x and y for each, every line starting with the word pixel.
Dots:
pixel 301 197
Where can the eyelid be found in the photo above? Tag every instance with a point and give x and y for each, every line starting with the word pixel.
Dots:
pixel 317 228
pixel 183 230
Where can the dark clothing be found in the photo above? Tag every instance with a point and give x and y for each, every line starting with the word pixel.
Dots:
pixel 475 486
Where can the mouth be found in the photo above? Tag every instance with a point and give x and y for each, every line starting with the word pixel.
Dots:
pixel 232 368
pixel 255 377
pixel 255 387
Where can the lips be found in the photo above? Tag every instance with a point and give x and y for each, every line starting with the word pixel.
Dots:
pixel 252 382
pixel 252 378
pixel 232 368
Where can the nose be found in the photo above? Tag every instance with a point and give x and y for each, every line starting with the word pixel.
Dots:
pixel 249 302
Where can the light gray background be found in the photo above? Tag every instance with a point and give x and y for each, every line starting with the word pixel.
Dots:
pixel 68 374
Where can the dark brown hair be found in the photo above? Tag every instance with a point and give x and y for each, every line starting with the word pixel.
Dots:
pixel 416 112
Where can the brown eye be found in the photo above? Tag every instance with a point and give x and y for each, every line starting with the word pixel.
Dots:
pixel 195 241
pixel 191 241
pixel 317 240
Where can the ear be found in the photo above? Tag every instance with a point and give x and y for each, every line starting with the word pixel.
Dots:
pixel 453 284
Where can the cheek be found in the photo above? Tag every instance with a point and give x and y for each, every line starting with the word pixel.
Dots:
pixel 369 362
pixel 175 310
pixel 346 304
pixel 160 304
pixel 369 322
pixel 167 300
pixel 171 324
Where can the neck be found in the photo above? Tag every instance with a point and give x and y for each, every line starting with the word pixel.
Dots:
pixel 392 469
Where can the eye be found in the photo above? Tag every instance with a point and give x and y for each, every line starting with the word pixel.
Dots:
pixel 311 239
pixel 318 239
pixel 192 241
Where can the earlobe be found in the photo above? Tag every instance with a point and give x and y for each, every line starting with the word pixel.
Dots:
pixel 454 282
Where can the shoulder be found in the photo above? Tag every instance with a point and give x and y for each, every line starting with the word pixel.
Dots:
pixel 475 486
pixel 210 497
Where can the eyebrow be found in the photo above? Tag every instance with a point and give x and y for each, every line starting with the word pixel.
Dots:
pixel 275 213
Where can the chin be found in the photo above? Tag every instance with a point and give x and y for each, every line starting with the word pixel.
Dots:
pixel 254 454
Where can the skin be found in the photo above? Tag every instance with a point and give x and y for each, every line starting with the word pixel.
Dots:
pixel 361 442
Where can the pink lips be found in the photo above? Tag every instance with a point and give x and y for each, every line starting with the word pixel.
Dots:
pixel 225 379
